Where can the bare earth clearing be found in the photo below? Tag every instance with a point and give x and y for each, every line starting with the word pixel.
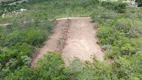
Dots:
pixel 73 38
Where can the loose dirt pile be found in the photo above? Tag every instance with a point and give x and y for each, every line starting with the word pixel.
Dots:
pixel 73 38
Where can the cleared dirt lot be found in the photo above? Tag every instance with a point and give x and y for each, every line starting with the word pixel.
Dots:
pixel 73 38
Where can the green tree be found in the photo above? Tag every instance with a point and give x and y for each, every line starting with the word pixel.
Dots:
pixel 25 73
pixel 51 68
pixel 139 2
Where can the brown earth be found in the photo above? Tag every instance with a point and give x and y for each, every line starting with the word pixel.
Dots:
pixel 73 38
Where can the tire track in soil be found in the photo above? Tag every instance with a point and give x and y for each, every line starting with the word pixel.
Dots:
pixel 73 38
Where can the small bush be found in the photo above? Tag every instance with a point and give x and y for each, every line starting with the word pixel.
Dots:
pixel 51 68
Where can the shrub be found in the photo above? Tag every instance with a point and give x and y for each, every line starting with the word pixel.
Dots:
pixel 51 68
pixel 117 6
pixel 139 3
pixel 25 73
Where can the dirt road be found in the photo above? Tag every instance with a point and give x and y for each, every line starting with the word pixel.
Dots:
pixel 73 38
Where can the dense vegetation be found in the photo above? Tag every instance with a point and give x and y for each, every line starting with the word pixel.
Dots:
pixel 50 68
pixel 119 33
pixel 139 2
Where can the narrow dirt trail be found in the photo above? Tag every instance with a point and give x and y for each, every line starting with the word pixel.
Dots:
pixel 73 38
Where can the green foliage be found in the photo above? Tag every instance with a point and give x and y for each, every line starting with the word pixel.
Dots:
pixel 117 6
pixel 128 67
pixel 139 2
pixel 18 41
pixel 25 73
pixel 119 34
pixel 92 71
pixel 117 29
pixel 117 40
pixel 51 68
pixel 123 68
pixel 34 36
